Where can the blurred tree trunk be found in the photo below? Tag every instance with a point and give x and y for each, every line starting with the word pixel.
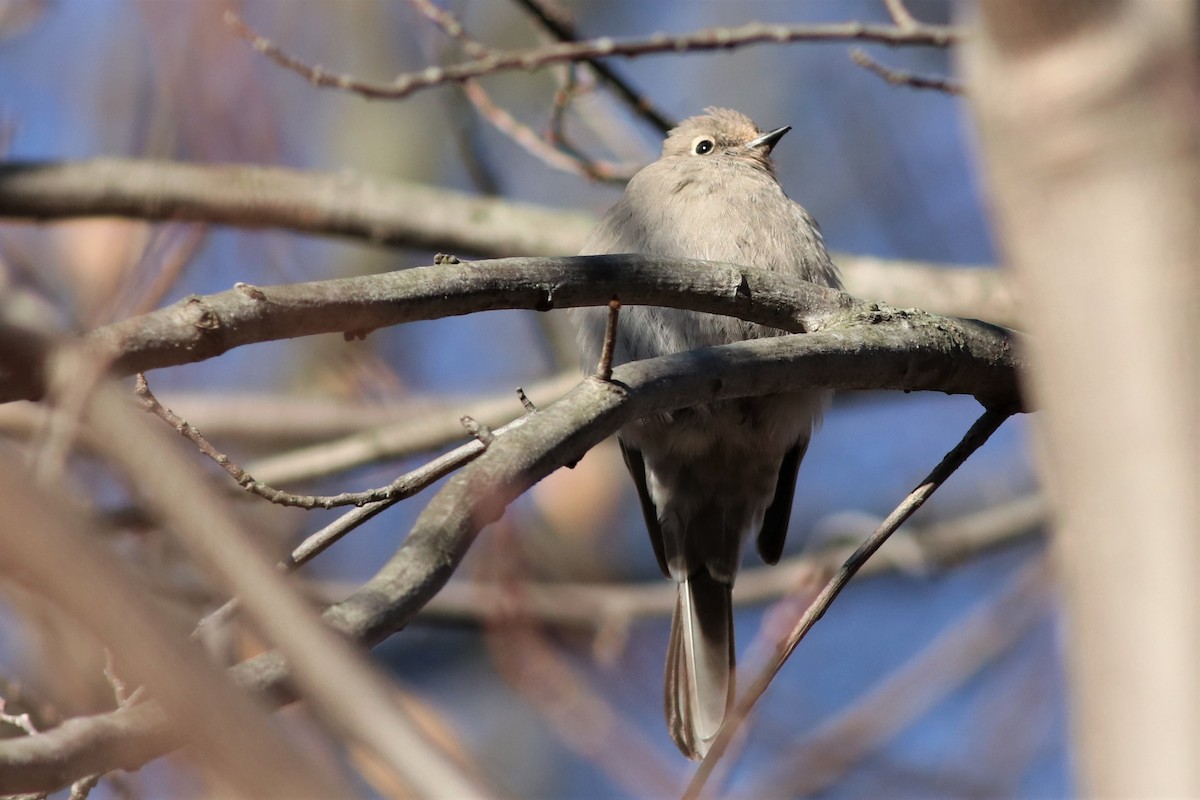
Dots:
pixel 1089 116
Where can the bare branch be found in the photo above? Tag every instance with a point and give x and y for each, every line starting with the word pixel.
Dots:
pixel 70 569
pixel 898 77
pixel 501 119
pixel 198 328
pixel 403 487
pixel 415 433
pixel 567 161
pixel 559 435
pixel 346 433
pixel 540 58
pixel 452 26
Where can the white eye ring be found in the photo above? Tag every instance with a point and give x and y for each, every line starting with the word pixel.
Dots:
pixel 703 145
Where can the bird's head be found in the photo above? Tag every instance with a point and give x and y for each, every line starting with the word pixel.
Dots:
pixel 721 133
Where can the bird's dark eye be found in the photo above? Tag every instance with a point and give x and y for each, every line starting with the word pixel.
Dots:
pixel 703 146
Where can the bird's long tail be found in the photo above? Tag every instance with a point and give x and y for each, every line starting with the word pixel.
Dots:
pixel 700 663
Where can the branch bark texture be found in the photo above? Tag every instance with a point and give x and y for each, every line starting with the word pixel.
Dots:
pixel 968 357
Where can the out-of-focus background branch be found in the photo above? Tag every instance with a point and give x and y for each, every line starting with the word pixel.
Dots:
pixel 1088 119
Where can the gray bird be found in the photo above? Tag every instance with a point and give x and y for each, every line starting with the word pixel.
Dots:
pixel 711 476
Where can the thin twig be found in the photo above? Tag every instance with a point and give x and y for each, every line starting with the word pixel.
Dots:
pixel 569 86
pixel 561 158
pixel 306 551
pixel 604 47
pixel 821 758
pixel 900 14
pixel 403 487
pixel 529 405
pixel 897 77
pixel 482 433
pixel 605 367
pixel 979 433
pixel 120 690
pixel 82 788
pixel 452 26
pixel 22 722
pixel 562 30
pixel 502 120
pixel 42 713
pixel 325 538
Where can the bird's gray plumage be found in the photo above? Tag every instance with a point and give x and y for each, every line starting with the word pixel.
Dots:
pixel 711 476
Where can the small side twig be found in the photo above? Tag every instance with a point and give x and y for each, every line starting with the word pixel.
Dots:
pixel 151 404
pixel 325 538
pixel 482 433
pixel 82 788
pixel 306 551
pixel 450 25
pixel 525 401
pixel 120 690
pixel 974 438
pixel 900 14
pixel 605 368
pixel 561 158
pixel 897 77
pixel 22 722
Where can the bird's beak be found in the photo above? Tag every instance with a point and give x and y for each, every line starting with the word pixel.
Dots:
pixel 768 140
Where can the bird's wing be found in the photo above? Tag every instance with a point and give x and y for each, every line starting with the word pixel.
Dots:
pixel 637 468
pixel 775 522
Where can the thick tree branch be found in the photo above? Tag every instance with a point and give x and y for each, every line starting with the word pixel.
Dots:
pixel 198 328
pixel 409 215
